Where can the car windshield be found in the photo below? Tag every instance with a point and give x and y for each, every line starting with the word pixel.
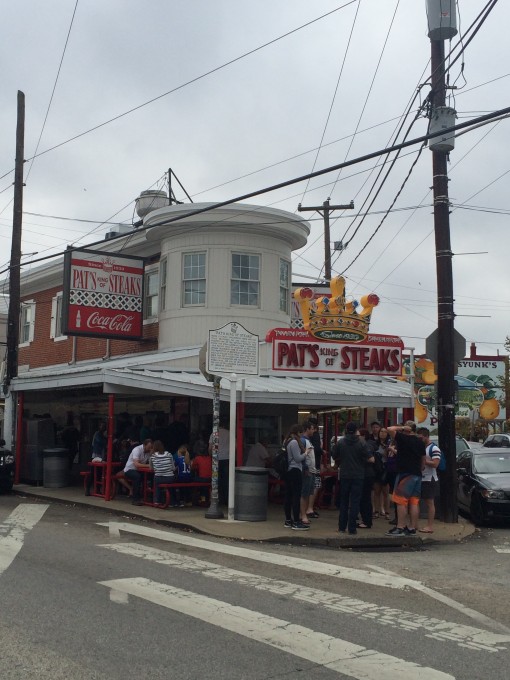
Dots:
pixel 492 464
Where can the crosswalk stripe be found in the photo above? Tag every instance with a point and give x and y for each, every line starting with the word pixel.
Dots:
pixel 13 530
pixel 379 577
pixel 504 549
pixel 437 629
pixel 371 577
pixel 324 650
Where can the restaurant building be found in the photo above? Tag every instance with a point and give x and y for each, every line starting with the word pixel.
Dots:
pixel 203 266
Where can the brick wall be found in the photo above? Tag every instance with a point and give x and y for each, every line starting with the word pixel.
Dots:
pixel 45 351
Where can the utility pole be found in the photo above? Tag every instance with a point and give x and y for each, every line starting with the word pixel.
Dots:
pixel 325 209
pixel 13 317
pixel 442 26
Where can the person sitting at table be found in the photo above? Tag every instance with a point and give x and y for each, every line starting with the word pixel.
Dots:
pixel 137 463
pixel 183 464
pixel 162 462
pixel 201 467
pixel 258 455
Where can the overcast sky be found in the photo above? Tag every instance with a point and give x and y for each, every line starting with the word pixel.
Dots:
pixel 333 90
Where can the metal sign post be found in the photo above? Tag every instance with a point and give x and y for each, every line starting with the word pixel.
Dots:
pixel 231 351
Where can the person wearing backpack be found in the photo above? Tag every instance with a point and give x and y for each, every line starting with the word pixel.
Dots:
pixel 429 480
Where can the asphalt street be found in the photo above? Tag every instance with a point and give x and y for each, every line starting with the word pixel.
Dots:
pixel 86 594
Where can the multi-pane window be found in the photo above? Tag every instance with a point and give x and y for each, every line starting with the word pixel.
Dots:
pixel 27 320
pixel 56 317
pixel 151 295
pixel 284 286
pixel 162 285
pixel 193 279
pixel 245 281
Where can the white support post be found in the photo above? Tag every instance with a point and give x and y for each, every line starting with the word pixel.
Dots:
pixel 232 446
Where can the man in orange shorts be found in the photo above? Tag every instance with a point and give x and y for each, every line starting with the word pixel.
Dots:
pixel 407 490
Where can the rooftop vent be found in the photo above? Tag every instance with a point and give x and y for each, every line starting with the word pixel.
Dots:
pixel 150 200
pixel 118 230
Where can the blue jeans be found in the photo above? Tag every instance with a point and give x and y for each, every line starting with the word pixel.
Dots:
pixel 350 496
pixel 135 477
pixel 159 494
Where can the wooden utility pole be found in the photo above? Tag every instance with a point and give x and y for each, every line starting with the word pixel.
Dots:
pixel 325 209
pixel 13 318
pixel 445 313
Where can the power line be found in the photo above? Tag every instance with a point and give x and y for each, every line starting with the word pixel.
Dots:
pixel 194 80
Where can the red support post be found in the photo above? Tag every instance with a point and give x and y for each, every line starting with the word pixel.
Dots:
pixel 19 435
pixel 109 449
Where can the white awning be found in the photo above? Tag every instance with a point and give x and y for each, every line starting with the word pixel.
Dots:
pixel 149 374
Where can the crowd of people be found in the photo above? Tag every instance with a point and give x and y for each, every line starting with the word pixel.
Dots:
pixel 385 467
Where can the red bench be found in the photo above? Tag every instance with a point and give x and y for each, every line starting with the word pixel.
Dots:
pixel 182 485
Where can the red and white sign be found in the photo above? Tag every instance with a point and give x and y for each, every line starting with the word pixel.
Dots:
pixel 296 351
pixel 103 295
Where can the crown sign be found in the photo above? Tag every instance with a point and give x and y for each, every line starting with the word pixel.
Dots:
pixel 335 318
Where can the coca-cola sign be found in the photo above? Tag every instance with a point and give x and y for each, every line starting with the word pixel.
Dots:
pixel 103 295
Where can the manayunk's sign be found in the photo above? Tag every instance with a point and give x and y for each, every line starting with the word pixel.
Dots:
pixel 296 351
pixel 103 295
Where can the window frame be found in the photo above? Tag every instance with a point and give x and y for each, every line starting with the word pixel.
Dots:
pixel 184 292
pixel 149 272
pixel 163 281
pixel 233 254
pixel 288 288
pixel 56 303
pixel 25 305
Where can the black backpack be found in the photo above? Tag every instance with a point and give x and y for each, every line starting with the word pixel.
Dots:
pixel 281 461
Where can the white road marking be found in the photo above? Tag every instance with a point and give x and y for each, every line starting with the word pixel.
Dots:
pixel 437 629
pixel 12 531
pixel 369 577
pixel 505 548
pixel 324 650
pixel 453 604
pixel 376 577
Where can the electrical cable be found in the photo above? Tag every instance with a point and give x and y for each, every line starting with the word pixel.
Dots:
pixel 196 79
pixel 389 209
pixel 319 148
pixel 52 92
pixel 296 180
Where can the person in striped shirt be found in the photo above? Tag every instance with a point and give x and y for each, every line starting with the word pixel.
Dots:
pixel 163 464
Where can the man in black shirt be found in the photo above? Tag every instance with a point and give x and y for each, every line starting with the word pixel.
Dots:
pixel 351 455
pixel 407 489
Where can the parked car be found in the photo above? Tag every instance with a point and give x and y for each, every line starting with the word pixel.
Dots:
pixel 460 444
pixel 483 484
pixel 6 468
pixel 497 441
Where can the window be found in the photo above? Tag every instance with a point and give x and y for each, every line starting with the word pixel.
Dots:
pixel 151 295
pixel 56 318
pixel 162 285
pixel 244 284
pixel 193 279
pixel 27 322
pixel 284 286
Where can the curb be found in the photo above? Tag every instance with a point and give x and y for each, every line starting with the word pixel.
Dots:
pixel 295 538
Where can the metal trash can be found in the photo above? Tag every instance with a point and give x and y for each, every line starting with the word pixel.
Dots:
pixel 250 502
pixel 55 468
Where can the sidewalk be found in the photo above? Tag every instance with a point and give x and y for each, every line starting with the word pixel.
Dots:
pixel 324 531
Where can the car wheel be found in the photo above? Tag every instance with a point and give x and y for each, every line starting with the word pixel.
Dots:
pixel 476 511
pixel 6 488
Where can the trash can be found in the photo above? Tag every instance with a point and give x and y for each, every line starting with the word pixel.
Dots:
pixel 250 502
pixel 55 468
